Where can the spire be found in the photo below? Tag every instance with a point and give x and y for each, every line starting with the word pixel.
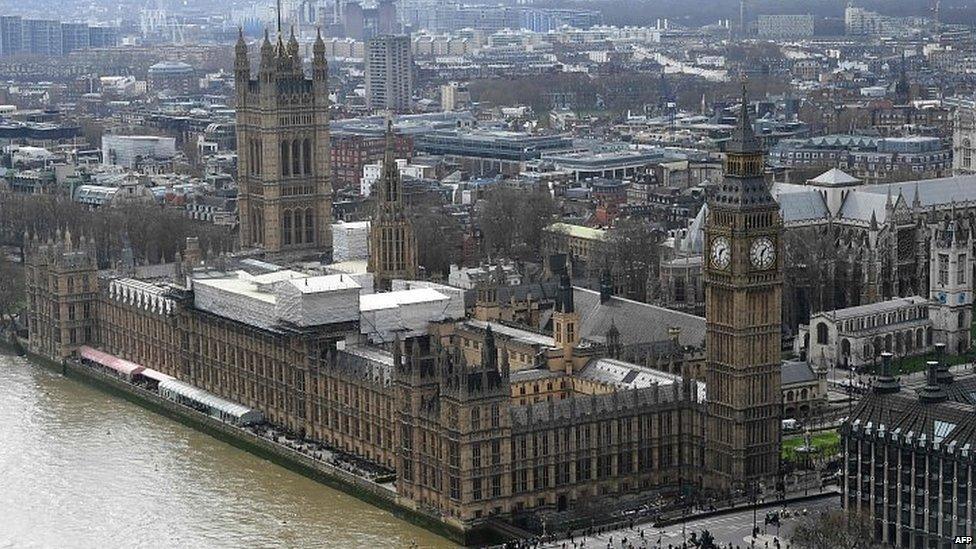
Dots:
pixel 874 221
pixel 743 137
pixel 278 9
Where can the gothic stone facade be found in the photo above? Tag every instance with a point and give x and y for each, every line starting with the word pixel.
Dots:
pixel 285 191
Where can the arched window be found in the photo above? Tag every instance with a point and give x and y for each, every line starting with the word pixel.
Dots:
pixel 286 227
pixel 309 226
pixel 296 157
pixel 803 394
pixel 845 347
pixel 822 333
pixel 919 338
pixel 258 152
pixel 307 156
pixel 285 162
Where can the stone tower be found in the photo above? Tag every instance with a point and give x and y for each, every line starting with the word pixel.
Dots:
pixel 392 247
pixel 285 188
pixel 950 286
pixel 61 279
pixel 566 321
pixel 743 307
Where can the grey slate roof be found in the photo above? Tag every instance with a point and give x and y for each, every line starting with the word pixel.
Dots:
pixel 637 322
pixel 960 188
pixel 802 206
pixel 795 371
pixel 861 203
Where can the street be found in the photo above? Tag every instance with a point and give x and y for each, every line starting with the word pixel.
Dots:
pixel 734 528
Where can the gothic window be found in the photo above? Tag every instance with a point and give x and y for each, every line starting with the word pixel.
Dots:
pixel 961 269
pixel 287 227
pixel 943 269
pixel 822 333
pixel 296 157
pixel 257 152
pixel 285 162
pixel 309 226
pixel 307 156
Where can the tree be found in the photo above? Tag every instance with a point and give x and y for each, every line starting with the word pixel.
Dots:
pixel 11 289
pixel 834 530
pixel 438 237
pixel 634 256
pixel 512 221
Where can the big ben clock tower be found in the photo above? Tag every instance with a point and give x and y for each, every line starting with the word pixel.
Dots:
pixel 743 302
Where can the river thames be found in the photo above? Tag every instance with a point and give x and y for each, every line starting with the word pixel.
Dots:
pixel 80 468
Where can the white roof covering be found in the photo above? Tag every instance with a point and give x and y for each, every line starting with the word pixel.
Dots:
pixel 324 283
pixel 199 395
pixel 390 300
pixel 834 178
pixel 532 338
pixel 625 375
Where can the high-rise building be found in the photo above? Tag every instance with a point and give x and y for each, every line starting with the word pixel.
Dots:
pixel 74 37
pixel 389 73
pixel 787 27
pixel 743 304
pixel 42 37
pixel 392 247
pixel 103 37
pixel 285 191
pixel 11 35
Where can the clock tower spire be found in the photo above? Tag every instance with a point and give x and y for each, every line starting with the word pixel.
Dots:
pixel 743 308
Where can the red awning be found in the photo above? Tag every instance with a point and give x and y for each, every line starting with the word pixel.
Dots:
pixel 113 362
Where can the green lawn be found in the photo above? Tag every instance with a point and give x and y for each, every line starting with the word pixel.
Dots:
pixel 914 364
pixel 827 442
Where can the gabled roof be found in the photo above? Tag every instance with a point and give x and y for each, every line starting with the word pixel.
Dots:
pixel 638 323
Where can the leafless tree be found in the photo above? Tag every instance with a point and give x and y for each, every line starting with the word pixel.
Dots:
pixel 634 256
pixel 512 222
pixel 11 289
pixel 835 530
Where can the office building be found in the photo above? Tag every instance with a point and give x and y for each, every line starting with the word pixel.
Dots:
pixel 389 73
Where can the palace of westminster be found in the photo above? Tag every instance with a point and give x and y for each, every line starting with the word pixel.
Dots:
pixel 479 415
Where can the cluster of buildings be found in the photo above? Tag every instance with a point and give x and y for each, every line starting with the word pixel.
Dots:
pixel 829 219
pixel 51 37
pixel 479 418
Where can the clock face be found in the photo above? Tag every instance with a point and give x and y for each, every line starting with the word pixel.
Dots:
pixel 762 253
pixel 721 252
